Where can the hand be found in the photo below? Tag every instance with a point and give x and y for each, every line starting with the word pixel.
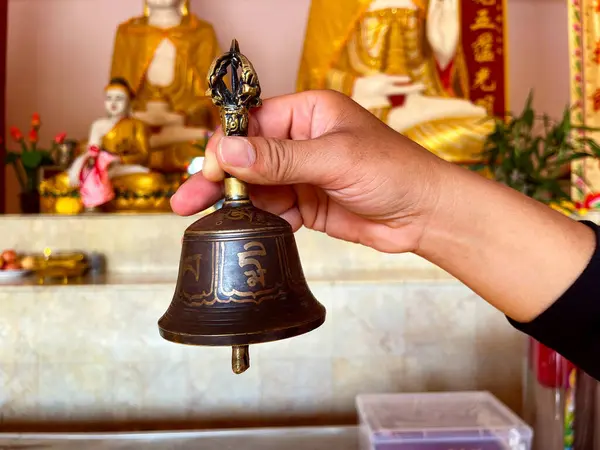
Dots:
pixel 93 151
pixel 321 161
pixel 374 91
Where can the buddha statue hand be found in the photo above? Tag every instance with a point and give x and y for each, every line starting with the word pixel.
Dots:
pixel 159 114
pixel 374 91
pixel 418 108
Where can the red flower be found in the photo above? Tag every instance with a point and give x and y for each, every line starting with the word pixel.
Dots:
pixel 16 134
pixel 33 136
pixel 60 138
pixel 591 201
pixel 35 121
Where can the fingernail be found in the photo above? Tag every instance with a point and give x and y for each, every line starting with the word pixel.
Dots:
pixel 236 152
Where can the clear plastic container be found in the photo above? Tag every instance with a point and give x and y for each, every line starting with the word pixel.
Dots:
pixel 439 421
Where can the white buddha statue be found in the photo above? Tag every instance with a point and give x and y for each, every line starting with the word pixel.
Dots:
pixel 112 172
pixel 117 133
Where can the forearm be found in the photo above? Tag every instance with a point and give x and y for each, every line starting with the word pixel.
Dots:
pixel 516 253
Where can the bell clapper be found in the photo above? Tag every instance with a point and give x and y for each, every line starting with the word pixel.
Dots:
pixel 240 359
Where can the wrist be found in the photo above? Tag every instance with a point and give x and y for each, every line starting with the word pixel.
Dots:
pixel 441 212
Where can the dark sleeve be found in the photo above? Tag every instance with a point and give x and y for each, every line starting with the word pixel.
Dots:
pixel 571 326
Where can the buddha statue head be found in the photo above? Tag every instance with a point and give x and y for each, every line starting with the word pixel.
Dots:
pixel 118 98
pixel 184 5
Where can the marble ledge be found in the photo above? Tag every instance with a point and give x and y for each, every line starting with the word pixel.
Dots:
pixel 142 281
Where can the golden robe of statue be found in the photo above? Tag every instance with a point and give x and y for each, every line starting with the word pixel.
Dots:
pixel 379 53
pixel 196 45
pixel 129 139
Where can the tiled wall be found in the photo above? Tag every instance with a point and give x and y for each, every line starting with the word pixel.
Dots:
pixel 94 352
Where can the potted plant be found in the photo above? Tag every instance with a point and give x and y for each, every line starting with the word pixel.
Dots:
pixel 532 153
pixel 28 161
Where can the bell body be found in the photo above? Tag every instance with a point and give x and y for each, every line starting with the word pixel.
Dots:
pixel 240 282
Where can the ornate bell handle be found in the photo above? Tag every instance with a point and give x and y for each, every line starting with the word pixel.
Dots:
pixel 234 102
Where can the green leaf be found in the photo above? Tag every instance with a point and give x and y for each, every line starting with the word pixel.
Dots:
pixel 32 159
pixel 11 157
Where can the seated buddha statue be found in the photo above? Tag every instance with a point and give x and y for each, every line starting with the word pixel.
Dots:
pixel 401 60
pixel 165 56
pixel 112 173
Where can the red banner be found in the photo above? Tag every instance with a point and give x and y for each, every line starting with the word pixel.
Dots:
pixel 484 47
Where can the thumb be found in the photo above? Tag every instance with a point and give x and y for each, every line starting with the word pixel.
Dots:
pixel 267 161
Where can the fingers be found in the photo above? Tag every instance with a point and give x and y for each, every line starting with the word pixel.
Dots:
pixel 400 90
pixel 274 199
pixel 263 161
pixel 399 78
pixel 211 169
pixel 291 141
pixel 293 217
pixel 195 195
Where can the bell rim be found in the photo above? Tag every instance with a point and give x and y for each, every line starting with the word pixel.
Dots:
pixel 240 233
pixel 228 340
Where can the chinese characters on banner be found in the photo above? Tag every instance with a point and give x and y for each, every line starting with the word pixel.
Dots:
pixel 584 46
pixel 483 40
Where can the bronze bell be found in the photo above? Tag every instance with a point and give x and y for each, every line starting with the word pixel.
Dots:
pixel 240 279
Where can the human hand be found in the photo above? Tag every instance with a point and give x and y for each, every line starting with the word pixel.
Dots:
pixel 321 161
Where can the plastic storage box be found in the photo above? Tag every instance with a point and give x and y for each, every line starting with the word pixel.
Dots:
pixel 439 421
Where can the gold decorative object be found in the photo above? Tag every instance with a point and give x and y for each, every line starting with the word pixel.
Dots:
pixel 62 265
pixel 584 55
pixel 240 278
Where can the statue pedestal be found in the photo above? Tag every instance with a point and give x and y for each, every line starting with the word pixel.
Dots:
pixel 92 350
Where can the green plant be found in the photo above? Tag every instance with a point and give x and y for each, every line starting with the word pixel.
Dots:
pixel 530 152
pixel 28 161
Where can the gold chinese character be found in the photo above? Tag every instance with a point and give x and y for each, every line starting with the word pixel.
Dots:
pixel 483 48
pixel 596 58
pixel 247 259
pixel 483 21
pixel 486 2
pixel 487 102
pixel 482 80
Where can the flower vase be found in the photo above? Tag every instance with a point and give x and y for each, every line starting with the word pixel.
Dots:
pixel 30 202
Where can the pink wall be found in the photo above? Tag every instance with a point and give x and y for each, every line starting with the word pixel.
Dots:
pixel 59 53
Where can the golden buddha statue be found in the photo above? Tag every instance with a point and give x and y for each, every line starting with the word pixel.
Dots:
pixel 402 60
pixel 165 56
pixel 126 142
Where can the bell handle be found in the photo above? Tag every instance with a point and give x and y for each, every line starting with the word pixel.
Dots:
pixel 234 122
pixel 234 103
